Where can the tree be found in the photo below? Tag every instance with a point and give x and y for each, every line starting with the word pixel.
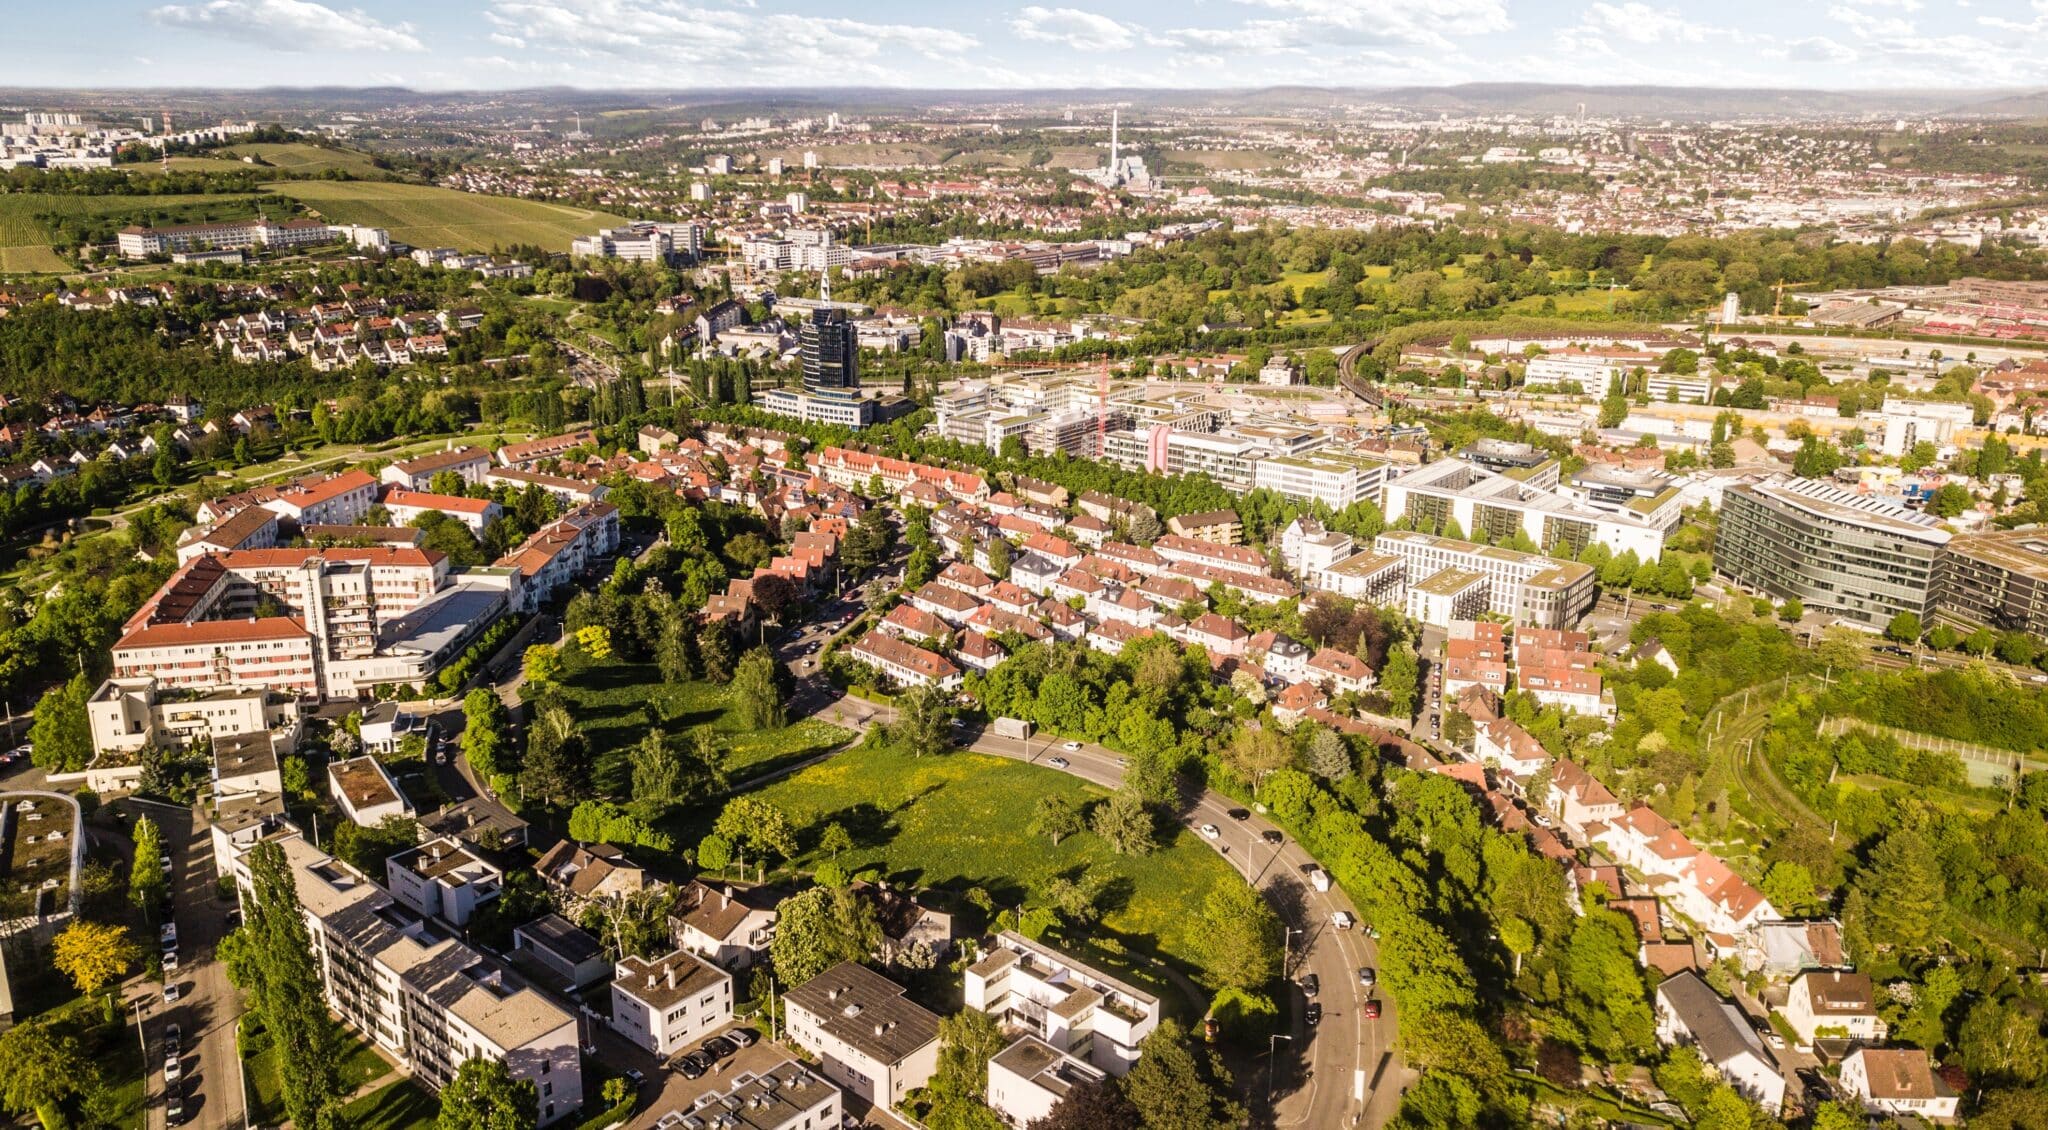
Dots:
pixel 968 1039
pixel 1398 680
pixel 552 772
pixel 1949 500
pixel 541 665
pixel 61 736
pixel 1791 611
pixel 1240 938
pixel 924 722
pixel 999 559
pixel 1904 628
pixel 1328 756
pixel 1124 823
pixel 756 825
pixel 146 872
pixel 1253 753
pixel 1613 411
pixel 483 731
pixel 835 839
pixel 93 954
pixel 1092 1104
pixel 285 989
pixel 1174 1089
pixel 1898 898
pixel 714 653
pixel 657 772
pixel 1055 817
pixel 756 699
pixel 484 1096
pixel 39 1070
pixel 2002 1042
pixel 1817 458
pixel 366 848
pixel 1790 888
pixel 819 928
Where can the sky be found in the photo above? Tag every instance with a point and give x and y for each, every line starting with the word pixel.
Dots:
pixel 999 44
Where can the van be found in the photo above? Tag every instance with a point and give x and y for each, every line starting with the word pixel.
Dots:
pixel 1319 878
pixel 1342 919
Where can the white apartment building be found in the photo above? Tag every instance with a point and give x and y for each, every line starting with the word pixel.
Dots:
pixel 141 242
pixel 871 1038
pixel 442 879
pixel 423 996
pixel 1333 478
pixel 1028 1078
pixel 1527 588
pixel 132 714
pixel 665 1004
pixel 1907 422
pixel 1688 1012
pixel 470 464
pixel 559 551
pixel 406 507
pixel 781 1094
pixel 365 791
pixel 1679 388
pixel 1447 595
pixel 1595 372
pixel 1073 1008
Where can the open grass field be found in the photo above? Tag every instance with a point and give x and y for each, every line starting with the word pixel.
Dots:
pixel 958 821
pixel 294 157
pixel 426 216
pixel 617 703
pixel 26 231
pixel 1575 302
pixel 1229 159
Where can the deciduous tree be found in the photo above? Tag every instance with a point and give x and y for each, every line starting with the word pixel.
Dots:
pixel 93 954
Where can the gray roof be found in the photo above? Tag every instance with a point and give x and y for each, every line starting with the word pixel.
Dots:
pixel 561 937
pixel 867 1010
pixel 1715 1026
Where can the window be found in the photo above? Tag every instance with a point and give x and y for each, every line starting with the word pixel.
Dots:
pixel 547 1089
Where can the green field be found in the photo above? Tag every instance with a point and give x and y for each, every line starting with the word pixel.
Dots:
pixel 398 1105
pixel 958 821
pixel 292 157
pixel 615 704
pixel 442 217
pixel 26 235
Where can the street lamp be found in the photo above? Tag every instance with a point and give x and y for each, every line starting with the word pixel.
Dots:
pixel 1272 1064
pixel 143 1040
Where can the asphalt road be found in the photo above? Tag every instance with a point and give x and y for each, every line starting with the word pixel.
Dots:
pixel 1342 1072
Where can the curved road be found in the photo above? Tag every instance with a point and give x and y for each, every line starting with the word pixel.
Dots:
pixel 1343 1072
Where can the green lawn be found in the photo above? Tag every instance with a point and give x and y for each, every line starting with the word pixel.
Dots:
pixel 958 821
pixel 615 704
pixel 399 1105
pixel 112 1048
pixel 359 1064
pixel 443 217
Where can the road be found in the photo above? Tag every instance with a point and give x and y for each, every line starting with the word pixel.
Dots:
pixel 208 1005
pixel 1342 1072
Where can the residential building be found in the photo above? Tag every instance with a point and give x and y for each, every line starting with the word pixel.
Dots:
pixel 1831 1002
pixel 907 664
pixel 1220 526
pixel 564 949
pixel 1447 595
pixel 1028 1078
pixel 421 995
pixel 137 242
pixel 1578 800
pixel 1336 479
pixel 579 873
pixel 1074 1008
pixel 761 1088
pixel 467 463
pixel 1786 949
pixel 1859 558
pixel 665 1004
pixel 1526 588
pixel 533 451
pixel 565 490
pixel 871 1038
pixel 559 552
pixel 730 926
pixel 442 879
pixel 365 791
pixel 408 506
pixel 131 714
pixel 1900 1082
pixel 1688 1012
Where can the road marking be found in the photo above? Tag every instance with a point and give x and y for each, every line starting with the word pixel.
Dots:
pixel 1358 1085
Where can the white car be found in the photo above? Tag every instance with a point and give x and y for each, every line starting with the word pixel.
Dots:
pixel 173 1070
pixel 168 935
pixel 172 993
pixel 1209 831
pixel 170 961
pixel 1058 762
pixel 1071 747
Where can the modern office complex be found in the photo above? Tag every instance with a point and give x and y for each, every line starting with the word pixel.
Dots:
pixel 1861 559
pixel 1994 580
pixel 831 350
pixel 1497 506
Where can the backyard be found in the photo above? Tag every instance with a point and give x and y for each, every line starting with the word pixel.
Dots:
pixel 958 821
pixel 616 703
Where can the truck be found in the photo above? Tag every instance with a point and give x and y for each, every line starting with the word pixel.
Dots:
pixel 1012 728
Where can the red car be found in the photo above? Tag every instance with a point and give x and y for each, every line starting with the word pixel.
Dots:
pixel 1372 1010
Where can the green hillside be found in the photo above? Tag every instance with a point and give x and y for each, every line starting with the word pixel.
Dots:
pixel 442 217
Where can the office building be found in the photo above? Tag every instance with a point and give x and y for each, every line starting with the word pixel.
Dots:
pixel 1334 478
pixel 1861 559
pixel 831 350
pixel 1994 580
pixel 1650 497
pixel 424 998
pixel 1498 506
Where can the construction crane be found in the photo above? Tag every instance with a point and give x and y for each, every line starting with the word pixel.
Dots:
pixel 1778 306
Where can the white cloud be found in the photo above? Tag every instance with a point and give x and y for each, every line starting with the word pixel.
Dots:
pixel 1073 29
pixel 1816 49
pixel 1637 22
pixel 290 25
pixel 503 40
pixel 1324 27
pixel 2036 26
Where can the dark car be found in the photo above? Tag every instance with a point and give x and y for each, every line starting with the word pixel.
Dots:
pixel 717 1048
pixel 1272 836
pixel 1240 814
pixel 1311 984
pixel 1315 1014
pixel 691 1066
pixel 174 1106
pixel 174 1039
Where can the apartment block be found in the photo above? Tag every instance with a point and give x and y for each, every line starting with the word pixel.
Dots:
pixel 467 463
pixel 1994 580
pixel 1498 506
pixel 560 550
pixel 442 879
pixel 134 713
pixel 872 1040
pixel 1527 588
pixel 1075 1009
pixel 425 998
pixel 667 1003
pixel 1028 1078
pixel 1336 479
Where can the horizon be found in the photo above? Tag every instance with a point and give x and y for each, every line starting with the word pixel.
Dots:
pixel 496 46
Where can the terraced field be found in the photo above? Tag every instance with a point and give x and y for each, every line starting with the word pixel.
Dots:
pixel 426 216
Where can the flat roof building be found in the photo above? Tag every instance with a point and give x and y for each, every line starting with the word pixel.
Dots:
pixel 1864 560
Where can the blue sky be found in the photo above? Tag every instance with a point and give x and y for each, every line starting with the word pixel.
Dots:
pixel 477 44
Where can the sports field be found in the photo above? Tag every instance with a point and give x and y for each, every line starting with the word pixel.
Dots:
pixel 425 216
pixel 26 230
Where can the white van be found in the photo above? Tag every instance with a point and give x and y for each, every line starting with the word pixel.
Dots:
pixel 1319 878
pixel 1342 919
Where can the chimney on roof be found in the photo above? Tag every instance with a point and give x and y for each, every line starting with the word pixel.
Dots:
pixel 671 975
pixel 650 978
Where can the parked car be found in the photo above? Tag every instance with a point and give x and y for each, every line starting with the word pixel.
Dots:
pixel 1368 976
pixel 174 1108
pixel 1273 836
pixel 169 934
pixel 717 1048
pixel 170 961
pixel 1240 814
pixel 1210 831
pixel 1311 984
pixel 173 1069
pixel 635 1075
pixel 174 1039
pixel 1314 1014
pixel 743 1037
pixel 690 1067
pixel 171 992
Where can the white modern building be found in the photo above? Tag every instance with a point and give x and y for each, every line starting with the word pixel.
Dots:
pixel 1028 1078
pixel 871 1038
pixel 665 1004
pixel 442 879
